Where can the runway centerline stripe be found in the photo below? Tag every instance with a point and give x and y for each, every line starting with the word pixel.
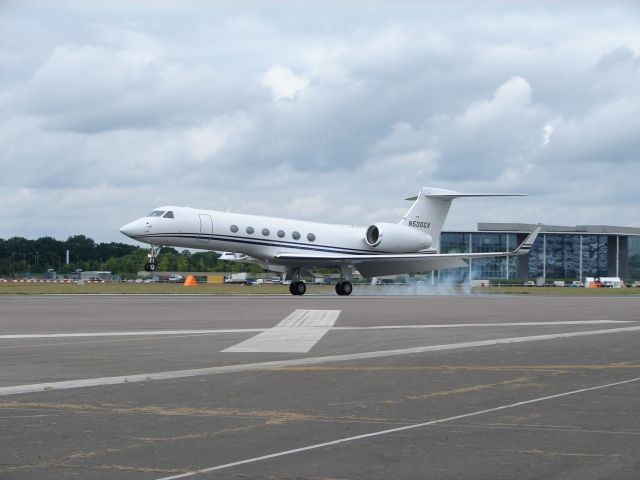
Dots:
pixel 298 333
pixel 245 367
pixel 257 330
pixel 394 430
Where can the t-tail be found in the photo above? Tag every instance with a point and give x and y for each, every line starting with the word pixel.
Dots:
pixel 431 206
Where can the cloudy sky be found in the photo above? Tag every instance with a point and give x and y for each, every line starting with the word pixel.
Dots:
pixel 329 111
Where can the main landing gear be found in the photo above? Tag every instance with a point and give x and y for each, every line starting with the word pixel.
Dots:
pixel 150 266
pixel 344 288
pixel 297 288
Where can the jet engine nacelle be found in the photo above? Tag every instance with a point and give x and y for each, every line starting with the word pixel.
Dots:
pixel 394 238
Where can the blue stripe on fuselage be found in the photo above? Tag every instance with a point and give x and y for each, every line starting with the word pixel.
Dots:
pixel 265 242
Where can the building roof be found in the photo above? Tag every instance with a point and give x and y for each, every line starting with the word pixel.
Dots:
pixel 580 229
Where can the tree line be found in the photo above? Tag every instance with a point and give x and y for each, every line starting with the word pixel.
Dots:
pixel 20 256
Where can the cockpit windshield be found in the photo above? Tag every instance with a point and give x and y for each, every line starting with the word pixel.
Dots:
pixel 156 213
pixel 169 214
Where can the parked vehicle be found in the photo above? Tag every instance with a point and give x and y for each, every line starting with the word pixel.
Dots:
pixel 603 282
pixel 241 277
pixel 529 283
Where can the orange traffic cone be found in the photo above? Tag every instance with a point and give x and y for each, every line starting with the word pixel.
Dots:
pixel 190 281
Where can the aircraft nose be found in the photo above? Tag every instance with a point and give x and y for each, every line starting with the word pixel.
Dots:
pixel 130 229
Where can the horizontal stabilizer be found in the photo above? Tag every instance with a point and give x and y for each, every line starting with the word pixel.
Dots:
pixel 450 194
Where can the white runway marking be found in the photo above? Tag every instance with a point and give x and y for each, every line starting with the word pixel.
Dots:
pixel 131 333
pixel 490 324
pixel 298 333
pixel 145 377
pixel 393 430
pixel 249 330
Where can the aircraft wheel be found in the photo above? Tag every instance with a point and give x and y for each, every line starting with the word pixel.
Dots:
pixel 146 266
pixel 298 288
pixel 152 267
pixel 344 288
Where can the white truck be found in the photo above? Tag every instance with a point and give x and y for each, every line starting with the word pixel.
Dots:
pixel 603 282
pixel 241 277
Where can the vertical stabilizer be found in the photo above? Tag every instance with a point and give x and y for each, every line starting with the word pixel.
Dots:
pixel 431 206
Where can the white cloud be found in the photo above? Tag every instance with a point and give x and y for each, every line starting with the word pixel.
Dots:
pixel 421 163
pixel 547 131
pixel 511 97
pixel 206 141
pixel 311 205
pixel 283 83
pixel 108 110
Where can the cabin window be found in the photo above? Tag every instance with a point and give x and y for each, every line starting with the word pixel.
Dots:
pixel 296 235
pixel 281 233
pixel 156 213
pixel 250 230
pixel 169 214
pixel 311 237
pixel 265 232
pixel 234 228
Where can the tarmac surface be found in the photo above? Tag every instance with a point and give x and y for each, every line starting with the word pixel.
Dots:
pixel 250 387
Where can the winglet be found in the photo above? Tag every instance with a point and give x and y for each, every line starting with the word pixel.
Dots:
pixel 525 246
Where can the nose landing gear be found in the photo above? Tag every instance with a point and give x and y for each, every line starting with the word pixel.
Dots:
pixel 150 266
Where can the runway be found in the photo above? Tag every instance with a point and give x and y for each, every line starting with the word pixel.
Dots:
pixel 439 387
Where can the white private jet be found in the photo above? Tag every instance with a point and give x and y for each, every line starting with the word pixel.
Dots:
pixel 296 247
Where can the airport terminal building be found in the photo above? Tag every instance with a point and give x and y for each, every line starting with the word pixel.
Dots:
pixel 559 253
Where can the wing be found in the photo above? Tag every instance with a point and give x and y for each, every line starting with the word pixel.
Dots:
pixel 392 264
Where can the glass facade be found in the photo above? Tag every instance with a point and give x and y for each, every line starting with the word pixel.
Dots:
pixel 594 256
pixel 562 253
pixel 554 256
pixel 500 267
pixel 453 242
pixel 634 258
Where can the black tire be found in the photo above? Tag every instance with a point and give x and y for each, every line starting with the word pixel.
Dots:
pixel 146 267
pixel 297 288
pixel 347 288
pixel 152 267
pixel 339 290
pixel 300 288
